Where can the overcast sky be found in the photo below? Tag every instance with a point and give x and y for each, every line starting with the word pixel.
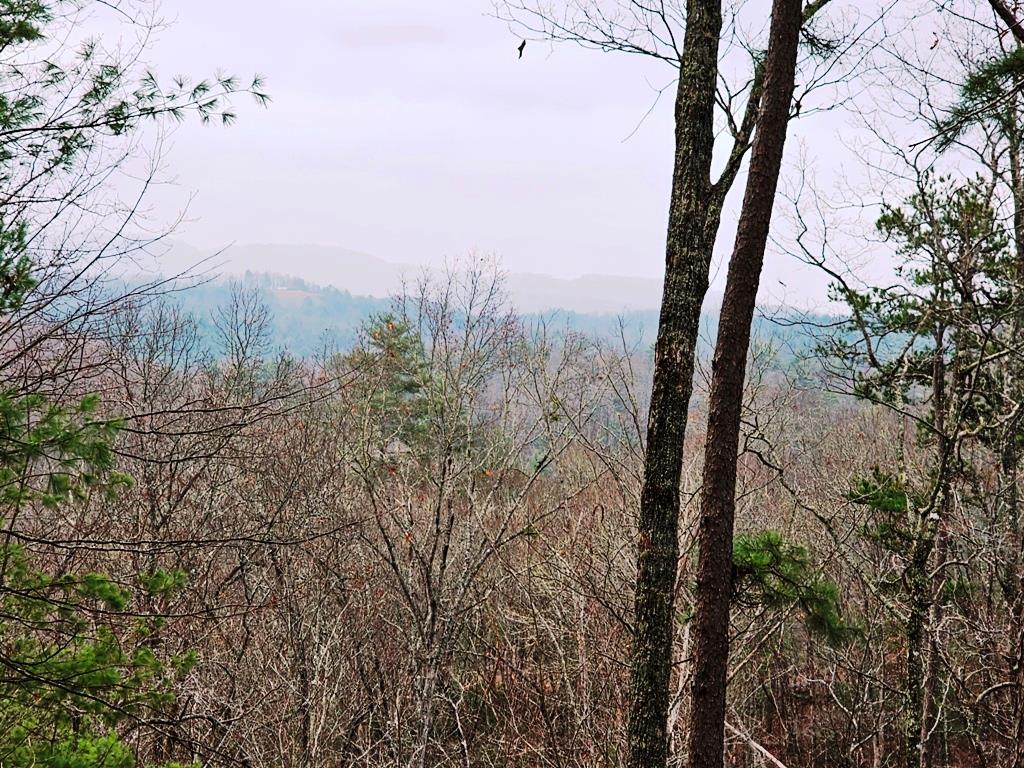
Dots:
pixel 410 130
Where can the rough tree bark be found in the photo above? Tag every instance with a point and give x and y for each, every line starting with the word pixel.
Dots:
pixel 715 526
pixel 694 216
pixel 695 212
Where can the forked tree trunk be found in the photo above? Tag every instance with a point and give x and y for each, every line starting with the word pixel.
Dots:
pixel 717 505
pixel 693 223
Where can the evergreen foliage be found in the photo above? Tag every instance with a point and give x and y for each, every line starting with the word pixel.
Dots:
pixel 950 303
pixel 76 657
pixel 988 92
pixel 772 572
pixel 395 376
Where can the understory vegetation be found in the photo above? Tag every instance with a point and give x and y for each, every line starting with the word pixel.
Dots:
pixel 425 547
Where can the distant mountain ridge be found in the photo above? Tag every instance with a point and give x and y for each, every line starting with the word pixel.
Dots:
pixel 361 274
pixel 306 317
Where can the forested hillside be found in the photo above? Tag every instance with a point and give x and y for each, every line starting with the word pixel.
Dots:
pixel 304 319
pixel 265 523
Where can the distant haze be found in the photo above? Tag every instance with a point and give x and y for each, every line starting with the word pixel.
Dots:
pixel 364 275
pixel 411 131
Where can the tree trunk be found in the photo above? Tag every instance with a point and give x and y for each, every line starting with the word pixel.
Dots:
pixel 1010 465
pixel 428 691
pixel 917 622
pixel 1008 17
pixel 919 586
pixel 717 508
pixel 694 215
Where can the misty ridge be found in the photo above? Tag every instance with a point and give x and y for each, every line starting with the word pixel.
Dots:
pixel 296 506
pixel 363 275
pixel 307 317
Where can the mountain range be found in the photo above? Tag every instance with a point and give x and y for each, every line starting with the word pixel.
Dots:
pixel 361 274
pixel 322 296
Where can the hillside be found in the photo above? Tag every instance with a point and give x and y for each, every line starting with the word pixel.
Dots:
pixel 305 316
pixel 361 274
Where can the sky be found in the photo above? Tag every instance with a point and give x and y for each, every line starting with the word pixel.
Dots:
pixel 412 132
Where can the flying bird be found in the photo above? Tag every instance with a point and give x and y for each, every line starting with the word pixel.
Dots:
pixel 522 45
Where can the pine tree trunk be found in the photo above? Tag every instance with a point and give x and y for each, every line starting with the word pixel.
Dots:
pixel 917 622
pixel 919 584
pixel 717 508
pixel 931 731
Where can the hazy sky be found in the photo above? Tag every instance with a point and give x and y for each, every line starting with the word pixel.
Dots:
pixel 409 130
